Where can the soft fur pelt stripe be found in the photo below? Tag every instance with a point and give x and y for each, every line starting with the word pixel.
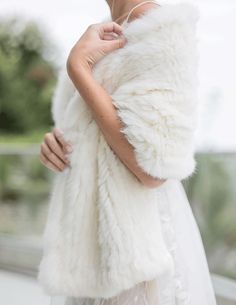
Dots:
pixel 103 232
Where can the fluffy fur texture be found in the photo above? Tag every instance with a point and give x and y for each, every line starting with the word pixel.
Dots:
pixel 103 233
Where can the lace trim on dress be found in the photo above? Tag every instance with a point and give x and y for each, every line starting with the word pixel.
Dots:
pixel 180 283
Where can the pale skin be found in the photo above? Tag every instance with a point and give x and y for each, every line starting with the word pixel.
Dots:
pixel 97 41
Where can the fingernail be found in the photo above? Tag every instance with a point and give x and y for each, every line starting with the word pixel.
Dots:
pixel 123 40
pixel 69 165
pixel 122 36
pixel 69 148
pixel 60 131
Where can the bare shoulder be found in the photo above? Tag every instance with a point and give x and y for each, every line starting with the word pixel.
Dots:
pixel 141 9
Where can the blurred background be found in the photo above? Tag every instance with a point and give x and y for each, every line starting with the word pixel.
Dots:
pixel 35 38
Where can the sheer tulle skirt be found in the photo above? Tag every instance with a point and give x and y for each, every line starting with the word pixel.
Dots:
pixel 191 284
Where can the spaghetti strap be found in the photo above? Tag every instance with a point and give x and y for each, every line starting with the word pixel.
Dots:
pixel 137 6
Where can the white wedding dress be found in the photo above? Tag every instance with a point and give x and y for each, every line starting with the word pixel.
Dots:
pixel 191 284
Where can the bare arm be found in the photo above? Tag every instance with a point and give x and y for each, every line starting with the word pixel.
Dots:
pixel 87 51
pixel 104 113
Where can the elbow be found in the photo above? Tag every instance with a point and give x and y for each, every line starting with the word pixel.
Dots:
pixel 151 182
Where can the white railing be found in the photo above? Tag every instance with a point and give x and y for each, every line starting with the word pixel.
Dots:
pixel 16 149
pixel 225 289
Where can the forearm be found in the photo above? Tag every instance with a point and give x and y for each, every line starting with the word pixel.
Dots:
pixel 105 115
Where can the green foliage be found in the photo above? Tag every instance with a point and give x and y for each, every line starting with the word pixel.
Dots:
pixel 34 136
pixel 212 195
pixel 23 178
pixel 27 78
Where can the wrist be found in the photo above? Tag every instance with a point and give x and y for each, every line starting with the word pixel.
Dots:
pixel 77 67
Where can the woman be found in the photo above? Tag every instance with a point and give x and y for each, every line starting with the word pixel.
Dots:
pixel 138 71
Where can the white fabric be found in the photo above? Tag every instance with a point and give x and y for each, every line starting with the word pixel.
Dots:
pixel 192 282
pixel 104 230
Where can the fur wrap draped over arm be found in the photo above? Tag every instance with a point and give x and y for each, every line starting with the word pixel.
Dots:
pixel 158 104
pixel 103 231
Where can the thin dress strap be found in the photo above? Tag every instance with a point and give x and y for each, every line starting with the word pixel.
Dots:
pixel 137 6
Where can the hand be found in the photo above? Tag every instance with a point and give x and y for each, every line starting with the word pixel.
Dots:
pixel 97 41
pixel 53 151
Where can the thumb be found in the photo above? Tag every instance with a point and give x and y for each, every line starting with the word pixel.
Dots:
pixel 115 43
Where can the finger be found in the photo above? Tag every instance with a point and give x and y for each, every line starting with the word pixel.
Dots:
pixel 59 137
pixel 55 147
pixel 110 27
pixel 43 159
pixel 109 36
pixel 52 157
pixel 114 44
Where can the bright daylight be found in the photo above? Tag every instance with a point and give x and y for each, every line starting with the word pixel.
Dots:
pixel 90 215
